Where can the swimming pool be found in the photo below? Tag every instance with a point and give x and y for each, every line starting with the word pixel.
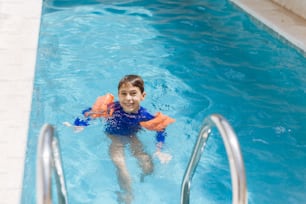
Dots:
pixel 196 59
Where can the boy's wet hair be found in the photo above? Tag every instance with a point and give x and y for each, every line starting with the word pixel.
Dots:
pixel 132 79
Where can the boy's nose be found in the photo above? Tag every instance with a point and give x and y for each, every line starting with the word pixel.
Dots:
pixel 129 97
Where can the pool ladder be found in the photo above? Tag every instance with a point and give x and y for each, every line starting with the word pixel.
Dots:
pixel 49 162
pixel 239 187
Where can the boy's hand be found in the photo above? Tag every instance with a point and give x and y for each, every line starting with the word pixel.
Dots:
pixel 75 128
pixel 163 157
pixel 78 129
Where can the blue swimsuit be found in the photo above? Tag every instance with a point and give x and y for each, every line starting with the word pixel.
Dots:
pixel 126 124
pixel 122 123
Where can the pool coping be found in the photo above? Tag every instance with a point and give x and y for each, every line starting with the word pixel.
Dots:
pixel 287 25
pixel 18 45
pixel 19 29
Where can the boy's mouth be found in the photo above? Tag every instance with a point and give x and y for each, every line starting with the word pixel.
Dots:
pixel 129 105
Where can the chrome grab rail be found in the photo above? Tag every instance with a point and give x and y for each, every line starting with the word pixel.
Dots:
pixel 239 187
pixel 48 159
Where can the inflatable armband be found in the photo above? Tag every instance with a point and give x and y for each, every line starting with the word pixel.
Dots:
pixel 159 123
pixel 101 107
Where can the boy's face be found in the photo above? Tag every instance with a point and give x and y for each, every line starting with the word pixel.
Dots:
pixel 130 98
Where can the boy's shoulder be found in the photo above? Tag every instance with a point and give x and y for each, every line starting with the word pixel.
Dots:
pixel 144 113
pixel 142 110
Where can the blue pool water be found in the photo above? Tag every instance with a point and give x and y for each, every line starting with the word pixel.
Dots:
pixel 197 58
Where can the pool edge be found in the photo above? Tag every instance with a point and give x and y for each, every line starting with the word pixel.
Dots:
pixel 283 22
pixel 19 31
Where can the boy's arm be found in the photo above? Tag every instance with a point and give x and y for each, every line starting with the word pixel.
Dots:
pixel 160 139
pixel 158 123
pixel 162 156
pixel 103 107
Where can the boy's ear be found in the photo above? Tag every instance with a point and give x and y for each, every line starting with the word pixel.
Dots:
pixel 144 95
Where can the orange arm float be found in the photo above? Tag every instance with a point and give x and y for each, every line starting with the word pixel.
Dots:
pixel 101 107
pixel 159 123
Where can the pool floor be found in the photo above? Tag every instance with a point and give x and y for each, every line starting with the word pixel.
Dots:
pixel 18 44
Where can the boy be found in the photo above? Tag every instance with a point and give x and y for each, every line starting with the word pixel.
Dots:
pixel 124 118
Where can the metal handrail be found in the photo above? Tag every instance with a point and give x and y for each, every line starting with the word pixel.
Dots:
pixel 239 187
pixel 48 159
